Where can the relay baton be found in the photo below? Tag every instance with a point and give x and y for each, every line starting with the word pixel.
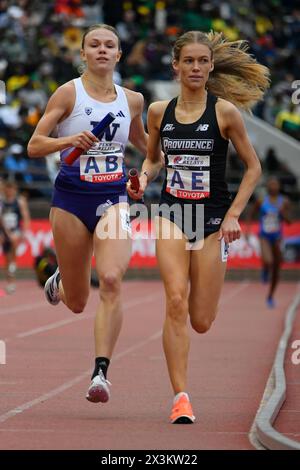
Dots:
pixel 97 131
pixel 134 179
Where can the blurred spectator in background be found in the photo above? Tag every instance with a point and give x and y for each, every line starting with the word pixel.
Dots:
pixel 16 165
pixel 40 40
pixel 274 166
pixel 15 220
pixel 289 121
pixel 128 30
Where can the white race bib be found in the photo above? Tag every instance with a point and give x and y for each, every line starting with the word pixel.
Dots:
pixel 270 223
pixel 125 220
pixel 103 163
pixel 10 220
pixel 185 182
pixel 224 251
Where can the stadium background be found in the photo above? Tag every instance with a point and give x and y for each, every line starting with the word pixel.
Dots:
pixel 40 43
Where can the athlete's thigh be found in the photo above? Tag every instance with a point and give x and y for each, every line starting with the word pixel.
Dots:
pixel 74 248
pixel 276 252
pixel 173 257
pixel 15 239
pixel 266 250
pixel 207 272
pixel 112 241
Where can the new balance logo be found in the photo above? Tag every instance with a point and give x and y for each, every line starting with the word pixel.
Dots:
pixel 120 114
pixel 169 127
pixel 214 221
pixel 202 127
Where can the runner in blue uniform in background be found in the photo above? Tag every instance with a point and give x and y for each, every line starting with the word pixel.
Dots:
pixel 273 209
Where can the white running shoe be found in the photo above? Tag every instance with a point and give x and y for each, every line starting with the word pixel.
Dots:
pixel 99 389
pixel 51 288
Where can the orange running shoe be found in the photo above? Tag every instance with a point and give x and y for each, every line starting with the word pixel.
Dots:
pixel 182 412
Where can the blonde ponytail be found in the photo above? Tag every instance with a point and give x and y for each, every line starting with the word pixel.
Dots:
pixel 236 77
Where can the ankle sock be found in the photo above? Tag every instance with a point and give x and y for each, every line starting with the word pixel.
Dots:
pixel 101 363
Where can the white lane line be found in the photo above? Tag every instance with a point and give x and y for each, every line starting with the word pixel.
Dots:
pixel 20 409
pixel 22 308
pixel 138 345
pixel 27 430
pixel 234 292
pixel 35 305
pixel 51 326
pixel 56 391
pixel 42 398
pixel 76 318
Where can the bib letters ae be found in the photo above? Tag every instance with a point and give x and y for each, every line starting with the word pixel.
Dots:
pixel 188 176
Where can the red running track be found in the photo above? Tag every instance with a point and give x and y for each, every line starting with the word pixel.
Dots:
pixel 50 356
pixel 288 420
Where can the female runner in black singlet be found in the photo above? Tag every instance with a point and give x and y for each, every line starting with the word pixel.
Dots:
pixel 197 218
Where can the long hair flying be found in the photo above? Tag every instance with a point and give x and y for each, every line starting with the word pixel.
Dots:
pixel 237 76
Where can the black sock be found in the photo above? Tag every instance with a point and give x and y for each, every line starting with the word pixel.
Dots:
pixel 101 363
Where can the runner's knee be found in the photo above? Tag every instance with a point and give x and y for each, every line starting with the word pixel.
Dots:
pixel 76 305
pixel 201 326
pixel 176 307
pixel 203 323
pixel 110 282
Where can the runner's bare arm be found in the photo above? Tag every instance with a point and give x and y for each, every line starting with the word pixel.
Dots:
pixel 232 127
pixel 58 108
pixel 153 162
pixel 234 130
pixel 137 134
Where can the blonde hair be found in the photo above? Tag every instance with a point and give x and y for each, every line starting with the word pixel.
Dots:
pixel 101 26
pixel 82 67
pixel 236 77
